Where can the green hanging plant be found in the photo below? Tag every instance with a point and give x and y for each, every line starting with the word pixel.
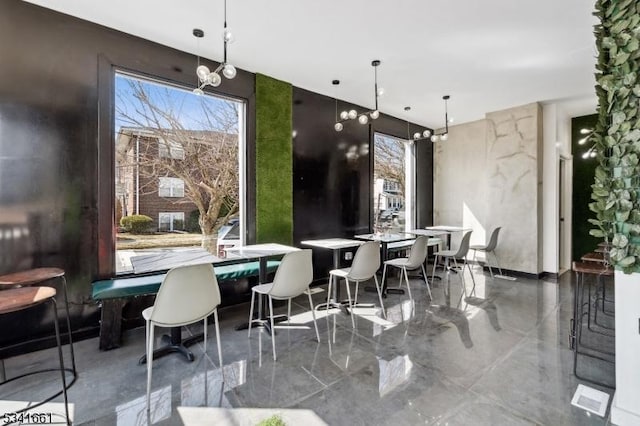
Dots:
pixel 616 137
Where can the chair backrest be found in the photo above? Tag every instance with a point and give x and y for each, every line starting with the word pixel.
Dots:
pixel 418 252
pixel 187 294
pixel 464 245
pixel 366 262
pixel 493 241
pixel 293 276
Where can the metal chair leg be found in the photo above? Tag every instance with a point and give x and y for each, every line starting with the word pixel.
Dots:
pixel 61 359
pixel 497 261
pixel 406 278
pixel 384 313
pixel 66 304
pixel 350 310
pixel 313 314
pixel 253 298
pixel 426 282
pixel 273 329
pixel 215 317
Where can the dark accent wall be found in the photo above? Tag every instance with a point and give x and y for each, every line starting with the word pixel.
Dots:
pixel 332 172
pixel 584 170
pixel 56 156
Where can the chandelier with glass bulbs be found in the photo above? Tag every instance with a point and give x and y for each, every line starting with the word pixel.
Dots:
pixel 205 76
pixel 444 135
pixel 363 118
pixel 417 136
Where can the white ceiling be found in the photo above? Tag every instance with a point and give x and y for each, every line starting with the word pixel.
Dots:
pixel 487 54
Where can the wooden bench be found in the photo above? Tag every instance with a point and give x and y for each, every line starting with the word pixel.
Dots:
pixel 114 293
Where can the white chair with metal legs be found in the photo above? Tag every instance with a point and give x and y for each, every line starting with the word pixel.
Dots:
pixel 188 294
pixel 455 255
pixel 489 248
pixel 293 277
pixel 415 260
pixel 366 263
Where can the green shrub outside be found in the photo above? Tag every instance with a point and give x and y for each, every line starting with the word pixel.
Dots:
pixel 137 223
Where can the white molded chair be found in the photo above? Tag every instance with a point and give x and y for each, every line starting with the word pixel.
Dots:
pixel 415 260
pixel 187 294
pixel 366 263
pixel 455 255
pixel 489 248
pixel 293 277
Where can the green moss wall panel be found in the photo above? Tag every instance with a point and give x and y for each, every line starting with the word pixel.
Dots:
pixel 274 177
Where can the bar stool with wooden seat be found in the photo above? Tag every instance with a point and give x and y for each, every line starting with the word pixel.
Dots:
pixel 18 299
pixel 35 276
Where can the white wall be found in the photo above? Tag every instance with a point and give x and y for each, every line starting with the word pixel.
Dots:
pixel 462 195
pixel 460 190
pixel 487 174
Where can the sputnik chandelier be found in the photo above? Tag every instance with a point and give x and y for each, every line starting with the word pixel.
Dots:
pixel 444 135
pixel 364 117
pixel 417 136
pixel 205 76
pixel 427 133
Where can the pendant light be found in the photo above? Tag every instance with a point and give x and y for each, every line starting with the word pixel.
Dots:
pixel 365 116
pixel 444 135
pixel 205 76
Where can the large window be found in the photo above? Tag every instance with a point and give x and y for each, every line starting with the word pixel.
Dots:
pixel 393 184
pixel 171 187
pixel 178 171
pixel 171 221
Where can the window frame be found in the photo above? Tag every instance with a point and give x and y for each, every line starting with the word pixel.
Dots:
pixel 409 160
pixel 241 90
pixel 174 184
pixel 172 219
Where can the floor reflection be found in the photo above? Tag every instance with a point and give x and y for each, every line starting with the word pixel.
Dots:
pixel 393 373
pixel 207 389
pixel 488 306
pixel 456 316
pixel 134 412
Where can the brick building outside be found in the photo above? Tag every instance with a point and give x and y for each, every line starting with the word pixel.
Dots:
pixel 140 190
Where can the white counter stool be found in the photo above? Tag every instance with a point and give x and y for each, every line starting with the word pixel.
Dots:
pixel 415 260
pixel 489 248
pixel 188 294
pixel 455 255
pixel 366 263
pixel 293 277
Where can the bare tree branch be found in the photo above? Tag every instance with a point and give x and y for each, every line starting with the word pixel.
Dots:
pixel 206 160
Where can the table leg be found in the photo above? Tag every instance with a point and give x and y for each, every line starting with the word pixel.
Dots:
pixel 174 343
pixel 385 289
pixel 335 302
pixel 262 320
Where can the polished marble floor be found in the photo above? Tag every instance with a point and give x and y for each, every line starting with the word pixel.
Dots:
pixel 494 355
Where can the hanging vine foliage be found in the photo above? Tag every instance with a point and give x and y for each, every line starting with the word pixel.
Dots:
pixel 616 191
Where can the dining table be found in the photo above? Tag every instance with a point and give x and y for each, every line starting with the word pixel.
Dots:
pixel 385 238
pixel 337 246
pixel 448 229
pixel 173 342
pixel 261 252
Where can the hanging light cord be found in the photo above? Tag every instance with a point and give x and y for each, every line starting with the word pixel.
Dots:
pixel 225 32
pixel 375 88
pixel 446 115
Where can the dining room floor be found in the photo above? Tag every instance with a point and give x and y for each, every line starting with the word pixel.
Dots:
pixel 496 354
